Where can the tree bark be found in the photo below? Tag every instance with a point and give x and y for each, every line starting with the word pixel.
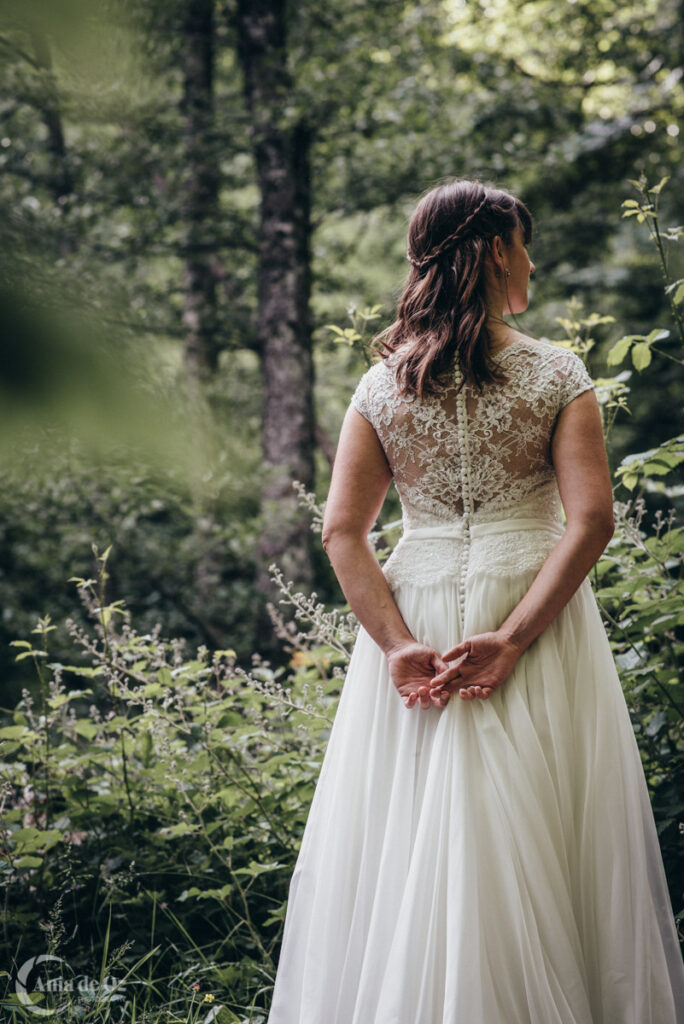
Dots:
pixel 61 182
pixel 282 145
pixel 200 208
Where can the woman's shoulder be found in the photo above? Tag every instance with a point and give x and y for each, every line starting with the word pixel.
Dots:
pixel 542 351
pixel 550 364
pixel 373 388
pixel 539 348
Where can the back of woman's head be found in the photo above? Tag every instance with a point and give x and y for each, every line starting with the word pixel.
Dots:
pixel 441 318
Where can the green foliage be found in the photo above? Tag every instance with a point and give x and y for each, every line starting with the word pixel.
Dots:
pixel 639 585
pixel 147 781
pixel 184 552
pixel 658 462
pixel 356 335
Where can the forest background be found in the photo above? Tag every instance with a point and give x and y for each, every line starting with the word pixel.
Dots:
pixel 203 209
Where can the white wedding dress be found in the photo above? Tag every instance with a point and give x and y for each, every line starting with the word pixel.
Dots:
pixel 491 862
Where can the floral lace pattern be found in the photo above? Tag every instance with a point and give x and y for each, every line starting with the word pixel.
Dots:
pixel 463 461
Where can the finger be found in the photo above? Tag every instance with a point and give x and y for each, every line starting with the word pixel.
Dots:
pixel 451 688
pixel 456 651
pixel 453 672
pixel 465 694
pixel 438 662
pixel 470 673
pixel 439 697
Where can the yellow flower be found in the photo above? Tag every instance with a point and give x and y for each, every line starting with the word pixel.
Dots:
pixel 300 659
pixel 208 998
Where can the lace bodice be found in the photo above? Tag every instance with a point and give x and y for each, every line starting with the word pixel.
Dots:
pixel 476 457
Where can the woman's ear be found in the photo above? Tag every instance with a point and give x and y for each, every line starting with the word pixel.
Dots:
pixel 496 252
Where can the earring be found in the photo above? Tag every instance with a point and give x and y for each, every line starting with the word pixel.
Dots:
pixel 508 273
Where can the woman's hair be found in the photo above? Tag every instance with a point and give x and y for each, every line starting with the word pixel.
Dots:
pixel 442 312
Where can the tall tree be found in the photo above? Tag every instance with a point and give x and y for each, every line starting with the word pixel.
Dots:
pixel 201 181
pixel 282 147
pixel 61 181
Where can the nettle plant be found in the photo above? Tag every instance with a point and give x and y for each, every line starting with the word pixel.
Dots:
pixel 171 789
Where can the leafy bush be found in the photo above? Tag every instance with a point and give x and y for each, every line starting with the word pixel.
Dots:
pixel 167 788
pixel 183 558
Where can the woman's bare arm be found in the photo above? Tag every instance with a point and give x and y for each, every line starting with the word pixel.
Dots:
pixel 358 487
pixel 360 480
pixel 579 457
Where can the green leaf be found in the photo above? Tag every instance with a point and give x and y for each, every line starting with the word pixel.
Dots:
pixel 253 870
pixel 657 189
pixel 29 861
pixel 658 334
pixel 12 732
pixel 84 727
pixel 152 690
pixel 641 355
pixel 619 350
pixel 181 828
pixel 28 654
pixel 164 677
pixel 30 839
pixel 656 723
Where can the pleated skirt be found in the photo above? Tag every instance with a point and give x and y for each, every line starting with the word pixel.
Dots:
pixel 490 862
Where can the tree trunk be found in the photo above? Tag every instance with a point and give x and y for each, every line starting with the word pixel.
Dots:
pixel 200 208
pixel 282 148
pixel 61 180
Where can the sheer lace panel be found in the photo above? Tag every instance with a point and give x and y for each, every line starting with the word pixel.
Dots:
pixel 479 456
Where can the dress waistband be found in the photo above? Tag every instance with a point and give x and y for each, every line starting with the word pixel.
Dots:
pixel 456 529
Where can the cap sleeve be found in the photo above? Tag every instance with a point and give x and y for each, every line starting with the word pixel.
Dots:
pixel 574 379
pixel 361 399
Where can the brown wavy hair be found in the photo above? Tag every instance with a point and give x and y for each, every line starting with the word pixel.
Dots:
pixel 441 317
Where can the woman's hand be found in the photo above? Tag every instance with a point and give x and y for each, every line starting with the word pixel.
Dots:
pixel 413 669
pixel 483 663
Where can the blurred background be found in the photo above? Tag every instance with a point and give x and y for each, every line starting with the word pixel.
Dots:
pixel 203 209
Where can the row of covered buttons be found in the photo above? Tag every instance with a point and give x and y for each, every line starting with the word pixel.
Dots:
pixel 462 432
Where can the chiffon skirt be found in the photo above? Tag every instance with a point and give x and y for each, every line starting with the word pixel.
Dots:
pixel 491 862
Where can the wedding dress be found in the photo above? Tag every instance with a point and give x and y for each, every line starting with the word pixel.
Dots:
pixel 490 862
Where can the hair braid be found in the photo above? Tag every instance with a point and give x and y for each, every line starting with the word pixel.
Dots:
pixel 442 314
pixel 450 241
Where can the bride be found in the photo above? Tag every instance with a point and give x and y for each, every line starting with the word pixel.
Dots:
pixel 480 848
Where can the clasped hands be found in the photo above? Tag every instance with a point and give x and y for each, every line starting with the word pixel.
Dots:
pixel 475 668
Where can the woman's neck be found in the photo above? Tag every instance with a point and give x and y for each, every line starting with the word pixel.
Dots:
pixel 500 333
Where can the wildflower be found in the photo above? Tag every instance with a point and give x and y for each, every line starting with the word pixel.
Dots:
pixel 208 997
pixel 196 987
pixel 300 659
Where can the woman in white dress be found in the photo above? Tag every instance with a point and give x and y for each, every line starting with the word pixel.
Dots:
pixel 480 848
